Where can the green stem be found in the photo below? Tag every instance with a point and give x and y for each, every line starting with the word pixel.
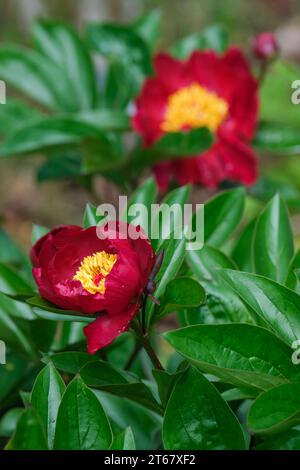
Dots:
pixel 144 340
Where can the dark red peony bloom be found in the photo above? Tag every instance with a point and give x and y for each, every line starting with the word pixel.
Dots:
pixel 76 270
pixel 210 90
pixel 265 46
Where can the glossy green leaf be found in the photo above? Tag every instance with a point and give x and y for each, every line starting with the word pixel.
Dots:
pixel 276 410
pixel 12 283
pixel 46 396
pixel 242 254
pixel 148 27
pixel 124 441
pixel 174 252
pixel 213 37
pixel 276 305
pixel 9 421
pixel 119 43
pixel 90 217
pixel 237 354
pixel 277 136
pixel 182 292
pixel 44 309
pixel 70 361
pixel 273 246
pixel 60 44
pixel 222 304
pixel 289 440
pixel 33 74
pixel 38 232
pixel 29 434
pixel 169 216
pixel 104 376
pixel 179 144
pixel 81 421
pixel 197 417
pixel 222 215
pixel 48 133
pixel 146 196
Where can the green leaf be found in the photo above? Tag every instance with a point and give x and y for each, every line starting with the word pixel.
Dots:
pixel 182 292
pixel 237 354
pixel 81 421
pixel 9 421
pixel 165 384
pixel 48 311
pixel 214 37
pixel 276 305
pixel 146 196
pixel 124 441
pixel 105 119
pixel 267 187
pixel 13 116
pixel 70 361
pixel 148 27
pixel 276 410
pixel 46 396
pixel 101 153
pixel 174 252
pixel 289 440
pixel 242 253
pixel 12 283
pixel 15 332
pixel 222 304
pixel 170 215
pixel 278 82
pixel 145 425
pixel 177 145
pixel 222 214
pixel 197 417
pixel 277 137
pixel 38 232
pixel 293 281
pixel 273 245
pixel 119 43
pixel 59 43
pixel 29 433
pixel 48 133
pixel 90 217
pixel 33 74
pixel 103 376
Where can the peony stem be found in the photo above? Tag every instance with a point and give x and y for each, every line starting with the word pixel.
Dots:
pixel 144 340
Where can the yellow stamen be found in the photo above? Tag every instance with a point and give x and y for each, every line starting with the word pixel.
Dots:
pixel 93 271
pixel 194 106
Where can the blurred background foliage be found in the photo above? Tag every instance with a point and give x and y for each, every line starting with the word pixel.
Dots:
pixel 23 199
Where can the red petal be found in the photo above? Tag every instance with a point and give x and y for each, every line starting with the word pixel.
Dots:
pixel 105 329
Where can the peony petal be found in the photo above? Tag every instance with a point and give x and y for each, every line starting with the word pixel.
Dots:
pixel 105 329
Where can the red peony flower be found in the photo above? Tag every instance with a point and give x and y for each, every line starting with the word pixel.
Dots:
pixel 210 90
pixel 76 270
pixel 265 46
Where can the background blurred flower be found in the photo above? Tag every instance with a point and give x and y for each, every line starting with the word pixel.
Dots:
pixel 207 90
pixel 76 270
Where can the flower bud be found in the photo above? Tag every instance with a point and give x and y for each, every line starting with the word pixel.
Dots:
pixel 265 46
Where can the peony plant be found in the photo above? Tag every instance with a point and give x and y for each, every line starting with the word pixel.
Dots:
pixel 182 349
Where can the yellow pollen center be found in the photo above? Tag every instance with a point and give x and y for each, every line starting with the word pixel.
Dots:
pixel 194 106
pixel 93 271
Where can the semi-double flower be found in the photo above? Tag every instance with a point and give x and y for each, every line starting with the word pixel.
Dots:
pixel 206 90
pixel 101 271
